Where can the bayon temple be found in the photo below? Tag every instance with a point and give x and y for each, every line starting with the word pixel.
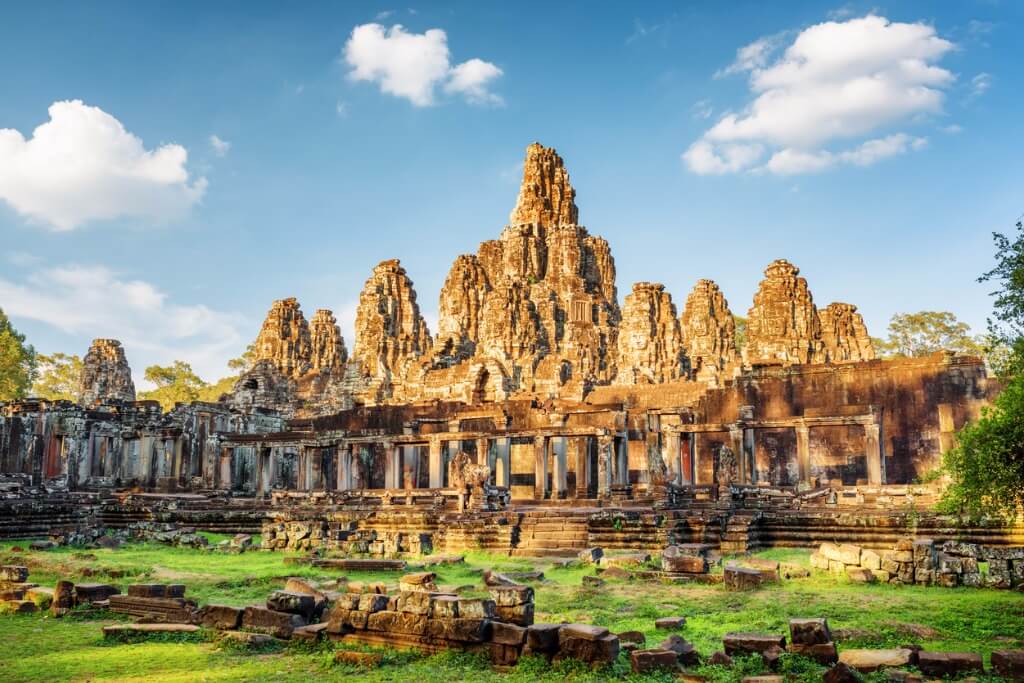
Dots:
pixel 538 411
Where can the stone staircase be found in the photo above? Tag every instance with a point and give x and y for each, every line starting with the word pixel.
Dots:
pixel 551 533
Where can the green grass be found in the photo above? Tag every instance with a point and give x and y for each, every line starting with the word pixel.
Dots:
pixel 38 647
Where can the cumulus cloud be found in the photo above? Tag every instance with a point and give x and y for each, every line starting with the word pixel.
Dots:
pixel 837 81
pixel 82 165
pixel 415 65
pixel 94 301
pixel 220 147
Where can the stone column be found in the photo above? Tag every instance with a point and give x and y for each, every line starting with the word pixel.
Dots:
pixel 947 429
pixel 540 467
pixel 605 458
pixel 873 450
pixel 620 469
pixel 743 473
pixel 436 464
pixel 578 449
pixel 803 454
pixel 502 461
pixel 694 441
pixel 390 466
pixel 482 451
pixel 673 457
pixel 559 481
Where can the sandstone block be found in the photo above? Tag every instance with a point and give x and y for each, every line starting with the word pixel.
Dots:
pixel 859 574
pixel 277 624
pixel 444 606
pixel 302 604
pixel 841 673
pixel 867 661
pixel 590 555
pixel 12 573
pixel 508 596
pixel 397 622
pixel 869 559
pixel 460 629
pixel 684 650
pixel 751 643
pixel 93 592
pixel 948 664
pixel 507 634
pixel 476 608
pixel 670 623
pixel 219 617
pixel 543 637
pixel 372 602
pixel 646 661
pixel 823 653
pixel 809 631
pixel 598 651
pixel 1008 664
pixel 673 559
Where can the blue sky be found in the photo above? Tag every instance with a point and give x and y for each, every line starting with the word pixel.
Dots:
pixel 227 154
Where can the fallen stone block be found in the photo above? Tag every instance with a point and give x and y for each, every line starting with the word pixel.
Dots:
pixel 582 631
pixel 372 602
pixel 744 578
pixel 809 631
pixel 12 573
pixel 63 598
pixel 503 655
pixel 421 581
pixel 646 661
pixel 670 623
pixel 302 604
pixel 719 658
pixel 43 597
pixel 1008 664
pixel 221 617
pixel 18 606
pixel 543 637
pixel 156 590
pixel 841 673
pixel 590 555
pixel 602 650
pixel 507 634
pixel 397 622
pixel 684 650
pixel 169 610
pixel 867 661
pixel 751 643
pixel 823 653
pixel 625 560
pixel 476 608
pixel 277 624
pixel 859 575
pixel 93 592
pixel 521 615
pixel 635 637
pixel 949 664
pixel 247 639
pixel 462 630
pixel 509 596
pixel 677 560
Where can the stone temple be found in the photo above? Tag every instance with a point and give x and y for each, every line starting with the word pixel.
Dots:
pixel 541 417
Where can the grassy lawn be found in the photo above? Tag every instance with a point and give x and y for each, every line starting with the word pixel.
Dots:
pixel 37 647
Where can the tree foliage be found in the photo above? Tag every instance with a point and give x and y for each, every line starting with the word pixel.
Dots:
pixel 741 331
pixel 986 467
pixel 58 377
pixel 17 362
pixel 176 383
pixel 912 335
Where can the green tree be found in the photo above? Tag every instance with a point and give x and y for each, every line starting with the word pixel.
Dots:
pixel 17 362
pixel 923 333
pixel 741 332
pixel 243 362
pixel 57 377
pixel 175 383
pixel 986 467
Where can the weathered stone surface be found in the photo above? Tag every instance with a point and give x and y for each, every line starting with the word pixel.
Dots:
pixel 284 340
pixel 745 578
pixel 365 660
pixel 670 623
pixel 646 661
pixel 867 661
pixel 823 653
pixel 390 332
pixel 294 603
pixel 841 673
pixel 507 634
pixel 93 592
pixel 844 334
pixel 13 573
pixel 327 346
pixel 220 617
pixel 593 650
pixel 948 664
pixel 277 624
pixel 783 325
pixel 543 637
pixel 63 598
pixel 709 332
pixel 1008 664
pixel 507 596
pixel 683 649
pixel 545 197
pixel 809 631
pixel 650 342
pixel 751 643
pixel 117 630
pixel 105 374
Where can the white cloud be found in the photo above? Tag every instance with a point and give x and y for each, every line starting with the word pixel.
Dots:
pixel 82 165
pixel 341 109
pixel 414 65
pixel 980 84
pixel 791 161
pixel 836 81
pixel 220 147
pixel 382 15
pixel 94 301
pixel 952 129
pixel 471 78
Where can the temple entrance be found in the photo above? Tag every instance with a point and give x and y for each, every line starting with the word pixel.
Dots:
pixel 374 466
pixel 328 469
pixel 243 469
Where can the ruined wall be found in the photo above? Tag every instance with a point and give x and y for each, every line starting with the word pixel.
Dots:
pixel 105 374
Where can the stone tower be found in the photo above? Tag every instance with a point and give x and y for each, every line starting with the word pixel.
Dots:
pixel 783 326
pixel 650 342
pixel 105 374
pixel 709 331
pixel 845 334
pixel 326 343
pixel 284 339
pixel 390 332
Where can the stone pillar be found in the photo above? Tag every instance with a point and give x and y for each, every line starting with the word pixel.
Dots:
pixel 605 467
pixel 743 468
pixel 223 474
pixel 673 457
pixel 559 481
pixel 502 462
pixel 620 469
pixel 483 447
pixel 803 454
pixel 436 463
pixel 694 451
pixel 578 450
pixel 392 457
pixel 947 430
pixel 540 467
pixel 873 450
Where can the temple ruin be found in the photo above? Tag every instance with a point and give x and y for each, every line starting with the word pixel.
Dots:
pixel 537 398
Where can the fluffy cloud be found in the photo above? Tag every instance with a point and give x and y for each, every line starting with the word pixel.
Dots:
pixel 82 165
pixel 414 65
pixel 93 301
pixel 837 81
